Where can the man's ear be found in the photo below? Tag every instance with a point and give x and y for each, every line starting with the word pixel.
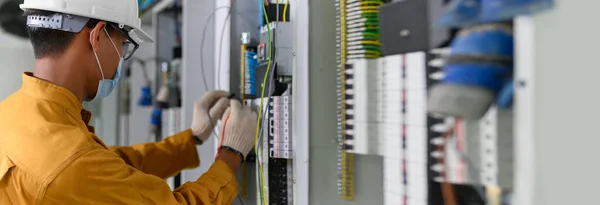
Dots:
pixel 95 35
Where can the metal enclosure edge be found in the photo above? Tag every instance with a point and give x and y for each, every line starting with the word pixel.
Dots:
pixel 301 109
pixel 524 118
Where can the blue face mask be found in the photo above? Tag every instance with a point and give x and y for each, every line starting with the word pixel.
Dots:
pixel 106 86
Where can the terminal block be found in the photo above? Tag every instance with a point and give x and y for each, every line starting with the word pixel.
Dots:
pixel 364 83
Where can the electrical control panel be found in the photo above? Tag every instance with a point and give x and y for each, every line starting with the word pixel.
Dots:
pixel 267 77
pixel 386 114
pixel 389 55
pixel 281 34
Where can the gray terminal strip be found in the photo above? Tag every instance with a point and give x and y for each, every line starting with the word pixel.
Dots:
pixel 63 22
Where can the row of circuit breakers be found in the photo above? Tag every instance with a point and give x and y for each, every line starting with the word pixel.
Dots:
pixel 386 115
pixel 277 143
pixel 388 57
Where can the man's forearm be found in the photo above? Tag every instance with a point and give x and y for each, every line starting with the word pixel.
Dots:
pixel 230 158
pixel 162 159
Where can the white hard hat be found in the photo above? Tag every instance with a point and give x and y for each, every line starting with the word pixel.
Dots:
pixel 122 12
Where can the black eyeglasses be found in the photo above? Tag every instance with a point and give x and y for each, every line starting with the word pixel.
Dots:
pixel 128 49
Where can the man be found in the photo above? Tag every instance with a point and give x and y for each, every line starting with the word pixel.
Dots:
pixel 50 155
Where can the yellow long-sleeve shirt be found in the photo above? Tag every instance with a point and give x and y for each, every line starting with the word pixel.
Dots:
pixel 50 155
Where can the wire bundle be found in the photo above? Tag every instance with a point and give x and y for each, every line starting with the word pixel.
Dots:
pixel 259 127
pixel 345 164
pixel 362 23
pixel 251 63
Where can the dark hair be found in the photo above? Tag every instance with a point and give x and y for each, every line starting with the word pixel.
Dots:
pixel 50 42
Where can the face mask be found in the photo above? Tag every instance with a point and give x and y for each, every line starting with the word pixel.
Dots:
pixel 106 86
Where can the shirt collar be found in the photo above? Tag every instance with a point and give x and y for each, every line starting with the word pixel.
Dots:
pixel 38 88
pixel 86 116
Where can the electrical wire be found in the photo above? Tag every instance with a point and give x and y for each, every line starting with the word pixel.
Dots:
pixel 212 15
pixel 262 100
pixel 204 80
pixel 221 45
pixel 285 8
pixel 243 71
pixel 260 147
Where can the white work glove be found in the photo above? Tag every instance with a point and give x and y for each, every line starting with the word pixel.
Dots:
pixel 213 103
pixel 240 128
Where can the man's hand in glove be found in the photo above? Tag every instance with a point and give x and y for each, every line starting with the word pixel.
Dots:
pixel 240 129
pixel 207 112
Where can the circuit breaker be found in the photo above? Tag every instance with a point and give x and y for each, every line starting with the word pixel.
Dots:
pixel 404 126
pixel 280 129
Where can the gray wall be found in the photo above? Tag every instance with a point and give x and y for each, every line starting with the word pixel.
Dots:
pixel 17 57
pixel 567 104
